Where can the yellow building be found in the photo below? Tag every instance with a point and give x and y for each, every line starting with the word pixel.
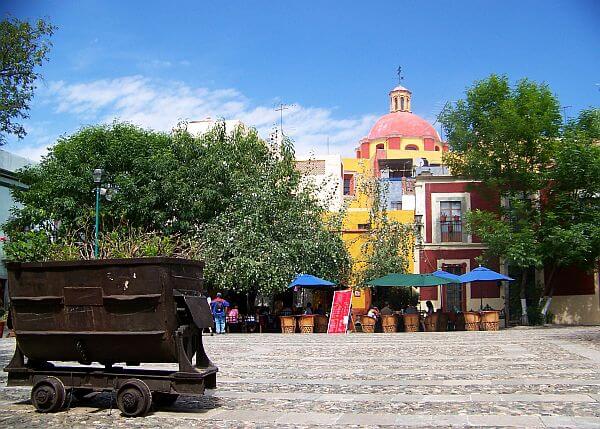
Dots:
pixel 399 144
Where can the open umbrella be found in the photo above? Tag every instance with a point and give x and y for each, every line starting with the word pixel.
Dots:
pixel 483 274
pixel 447 275
pixel 309 281
pixel 409 280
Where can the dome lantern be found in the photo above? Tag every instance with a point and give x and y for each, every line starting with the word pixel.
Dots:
pixel 400 99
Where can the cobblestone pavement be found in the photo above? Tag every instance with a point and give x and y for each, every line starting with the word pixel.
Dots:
pixel 542 377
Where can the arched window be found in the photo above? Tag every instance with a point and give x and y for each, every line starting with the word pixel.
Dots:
pixel 411 147
pixel 402 103
pixel 437 148
pixel 380 146
pixel 395 103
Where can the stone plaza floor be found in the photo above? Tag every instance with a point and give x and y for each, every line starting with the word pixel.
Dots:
pixel 521 377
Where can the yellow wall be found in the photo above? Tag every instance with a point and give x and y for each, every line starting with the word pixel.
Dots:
pixel 358 206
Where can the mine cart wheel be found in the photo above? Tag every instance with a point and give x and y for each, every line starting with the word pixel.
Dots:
pixel 134 398
pixel 162 399
pixel 48 395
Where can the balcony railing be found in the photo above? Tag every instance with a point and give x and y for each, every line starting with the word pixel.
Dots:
pixel 451 231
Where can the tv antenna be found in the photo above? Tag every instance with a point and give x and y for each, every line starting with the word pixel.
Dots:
pixel 400 75
pixel 564 109
pixel 281 107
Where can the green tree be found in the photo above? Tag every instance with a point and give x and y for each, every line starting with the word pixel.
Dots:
pixel 505 137
pixel 570 220
pixel 388 243
pixel 229 193
pixel 23 48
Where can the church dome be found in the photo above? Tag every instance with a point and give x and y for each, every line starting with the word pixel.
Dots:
pixel 402 124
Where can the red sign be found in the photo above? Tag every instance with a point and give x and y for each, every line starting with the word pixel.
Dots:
pixel 340 312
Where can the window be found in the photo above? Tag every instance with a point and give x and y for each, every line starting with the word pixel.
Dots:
pixel 411 147
pixel 401 103
pixel 348 184
pixel 437 148
pixel 451 221
pixel 395 103
pixel 396 205
pixel 380 146
pixel 364 226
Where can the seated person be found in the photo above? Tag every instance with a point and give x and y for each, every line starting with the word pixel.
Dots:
pixel 411 309
pixel 373 313
pixel 320 310
pixel 233 316
pixel 308 309
pixel 430 308
pixel 286 311
pixel 387 310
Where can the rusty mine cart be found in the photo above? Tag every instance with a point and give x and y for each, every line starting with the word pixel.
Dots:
pixel 132 311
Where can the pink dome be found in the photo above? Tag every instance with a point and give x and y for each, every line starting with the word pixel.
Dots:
pixel 404 124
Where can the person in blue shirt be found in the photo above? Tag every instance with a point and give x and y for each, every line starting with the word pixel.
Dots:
pixel 219 311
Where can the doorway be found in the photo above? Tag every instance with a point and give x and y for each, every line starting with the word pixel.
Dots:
pixel 453 292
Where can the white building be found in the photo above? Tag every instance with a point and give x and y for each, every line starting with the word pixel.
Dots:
pixel 325 173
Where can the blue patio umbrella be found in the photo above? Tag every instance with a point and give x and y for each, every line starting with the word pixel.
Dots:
pixel 309 281
pixel 446 275
pixel 483 274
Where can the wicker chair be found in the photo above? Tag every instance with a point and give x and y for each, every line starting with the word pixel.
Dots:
pixel 490 320
pixel 411 323
pixel 368 324
pixel 321 323
pixel 288 324
pixel 472 320
pixel 389 322
pixel 307 324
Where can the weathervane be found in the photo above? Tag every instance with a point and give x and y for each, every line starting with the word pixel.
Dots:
pixel 399 73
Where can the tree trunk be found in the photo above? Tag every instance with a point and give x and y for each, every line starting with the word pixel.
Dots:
pixel 550 292
pixel 523 296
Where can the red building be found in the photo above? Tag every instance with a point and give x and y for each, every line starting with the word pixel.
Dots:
pixel 442 202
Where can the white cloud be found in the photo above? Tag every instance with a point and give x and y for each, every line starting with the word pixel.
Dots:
pixel 161 104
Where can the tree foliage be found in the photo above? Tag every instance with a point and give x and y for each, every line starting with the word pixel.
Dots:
pixel 388 243
pixel 500 134
pixel 229 198
pixel 23 48
pixel 548 176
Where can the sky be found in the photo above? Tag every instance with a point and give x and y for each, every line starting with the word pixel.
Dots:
pixel 157 63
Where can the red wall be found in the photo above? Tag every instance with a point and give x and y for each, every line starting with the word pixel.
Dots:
pixel 570 281
pixel 364 150
pixel 394 142
pixel 429 144
pixel 481 199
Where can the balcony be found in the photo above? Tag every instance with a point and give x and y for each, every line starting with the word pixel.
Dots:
pixel 452 231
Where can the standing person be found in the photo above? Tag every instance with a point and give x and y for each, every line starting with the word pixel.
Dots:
pixel 219 306
pixel 430 309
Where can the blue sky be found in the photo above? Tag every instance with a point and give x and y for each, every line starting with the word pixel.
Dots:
pixel 154 63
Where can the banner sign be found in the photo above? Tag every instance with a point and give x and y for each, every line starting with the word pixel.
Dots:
pixel 340 312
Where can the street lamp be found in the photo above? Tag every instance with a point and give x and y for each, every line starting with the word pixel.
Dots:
pixel 97 174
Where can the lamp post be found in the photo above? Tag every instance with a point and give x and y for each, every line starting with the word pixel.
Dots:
pixel 97 174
